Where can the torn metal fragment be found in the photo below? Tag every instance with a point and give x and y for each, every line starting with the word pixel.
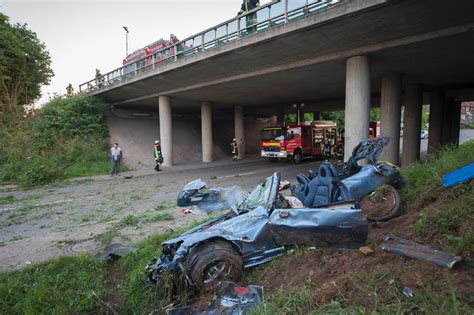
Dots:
pixel 408 248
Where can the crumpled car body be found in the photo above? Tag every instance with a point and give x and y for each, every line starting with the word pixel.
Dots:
pixel 258 230
pixel 353 181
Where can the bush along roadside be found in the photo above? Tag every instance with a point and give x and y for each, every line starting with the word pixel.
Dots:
pixel 66 138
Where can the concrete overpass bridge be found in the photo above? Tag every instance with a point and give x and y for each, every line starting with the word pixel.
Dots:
pixel 347 55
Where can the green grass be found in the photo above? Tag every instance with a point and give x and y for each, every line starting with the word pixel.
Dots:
pixel 6 200
pixel 66 138
pixel 425 177
pixel 67 285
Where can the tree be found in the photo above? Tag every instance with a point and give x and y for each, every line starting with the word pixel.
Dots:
pixel 24 65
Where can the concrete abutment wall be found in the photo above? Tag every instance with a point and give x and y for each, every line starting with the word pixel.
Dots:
pixel 136 136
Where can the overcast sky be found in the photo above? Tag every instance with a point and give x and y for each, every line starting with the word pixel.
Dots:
pixel 82 35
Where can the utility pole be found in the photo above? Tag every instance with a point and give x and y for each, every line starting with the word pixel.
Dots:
pixel 126 40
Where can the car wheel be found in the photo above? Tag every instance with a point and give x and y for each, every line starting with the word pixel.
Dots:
pixel 297 157
pixel 213 262
pixel 381 205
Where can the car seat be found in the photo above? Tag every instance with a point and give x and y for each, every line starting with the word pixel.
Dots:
pixel 301 190
pixel 320 188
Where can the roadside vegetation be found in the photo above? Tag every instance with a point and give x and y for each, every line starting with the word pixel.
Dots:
pixel 304 281
pixel 66 138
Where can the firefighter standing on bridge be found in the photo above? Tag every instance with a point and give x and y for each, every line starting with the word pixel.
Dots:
pixel 235 150
pixel 157 155
pixel 250 19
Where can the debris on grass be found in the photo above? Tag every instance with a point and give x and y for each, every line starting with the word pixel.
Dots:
pixel 366 250
pixel 408 248
pixel 231 299
pixel 113 251
pixel 458 176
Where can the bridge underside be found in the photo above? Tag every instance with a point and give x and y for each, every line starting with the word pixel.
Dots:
pixel 427 43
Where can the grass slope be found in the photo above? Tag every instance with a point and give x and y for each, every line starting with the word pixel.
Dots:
pixel 66 138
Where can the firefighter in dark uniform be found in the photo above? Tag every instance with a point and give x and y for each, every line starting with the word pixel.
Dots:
pixel 250 19
pixel 157 155
pixel 235 151
pixel 340 150
pixel 327 150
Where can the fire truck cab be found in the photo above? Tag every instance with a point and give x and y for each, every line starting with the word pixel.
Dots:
pixel 296 142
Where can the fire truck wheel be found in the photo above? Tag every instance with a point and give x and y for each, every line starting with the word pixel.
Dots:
pixel 297 156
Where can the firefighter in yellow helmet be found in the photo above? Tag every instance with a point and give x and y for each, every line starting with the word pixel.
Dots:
pixel 157 155
pixel 69 90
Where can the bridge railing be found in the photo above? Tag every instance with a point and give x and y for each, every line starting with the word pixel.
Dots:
pixel 260 19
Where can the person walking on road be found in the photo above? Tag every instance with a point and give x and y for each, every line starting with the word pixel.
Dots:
pixel 235 151
pixel 115 156
pixel 157 155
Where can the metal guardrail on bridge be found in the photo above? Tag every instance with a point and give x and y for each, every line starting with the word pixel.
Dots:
pixel 257 20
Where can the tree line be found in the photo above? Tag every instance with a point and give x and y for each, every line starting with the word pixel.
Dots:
pixel 25 65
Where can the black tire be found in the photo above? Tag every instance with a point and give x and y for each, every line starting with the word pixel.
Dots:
pixel 212 262
pixel 384 210
pixel 297 156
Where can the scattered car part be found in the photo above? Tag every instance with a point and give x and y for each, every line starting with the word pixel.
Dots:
pixel 408 292
pixel 458 176
pixel 113 251
pixel 382 204
pixel 257 232
pixel 366 250
pixel 231 299
pixel 408 248
pixel 196 193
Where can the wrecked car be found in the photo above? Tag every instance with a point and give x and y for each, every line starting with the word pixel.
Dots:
pixel 355 182
pixel 259 228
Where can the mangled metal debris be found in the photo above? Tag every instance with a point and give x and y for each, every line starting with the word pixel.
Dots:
pixel 259 229
pixel 353 182
pixel 113 251
pixel 210 199
pixel 231 299
pixel 411 249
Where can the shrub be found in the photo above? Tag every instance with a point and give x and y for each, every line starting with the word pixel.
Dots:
pixel 65 138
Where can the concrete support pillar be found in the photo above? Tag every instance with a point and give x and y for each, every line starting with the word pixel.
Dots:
pixel 357 102
pixel 166 135
pixel 435 132
pixel 206 131
pixel 455 123
pixel 316 115
pixel 390 110
pixel 448 106
pixel 412 124
pixel 273 120
pixel 239 131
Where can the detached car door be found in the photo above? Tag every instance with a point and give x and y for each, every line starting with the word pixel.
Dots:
pixel 337 225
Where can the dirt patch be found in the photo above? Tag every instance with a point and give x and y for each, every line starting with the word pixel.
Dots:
pixel 115 276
